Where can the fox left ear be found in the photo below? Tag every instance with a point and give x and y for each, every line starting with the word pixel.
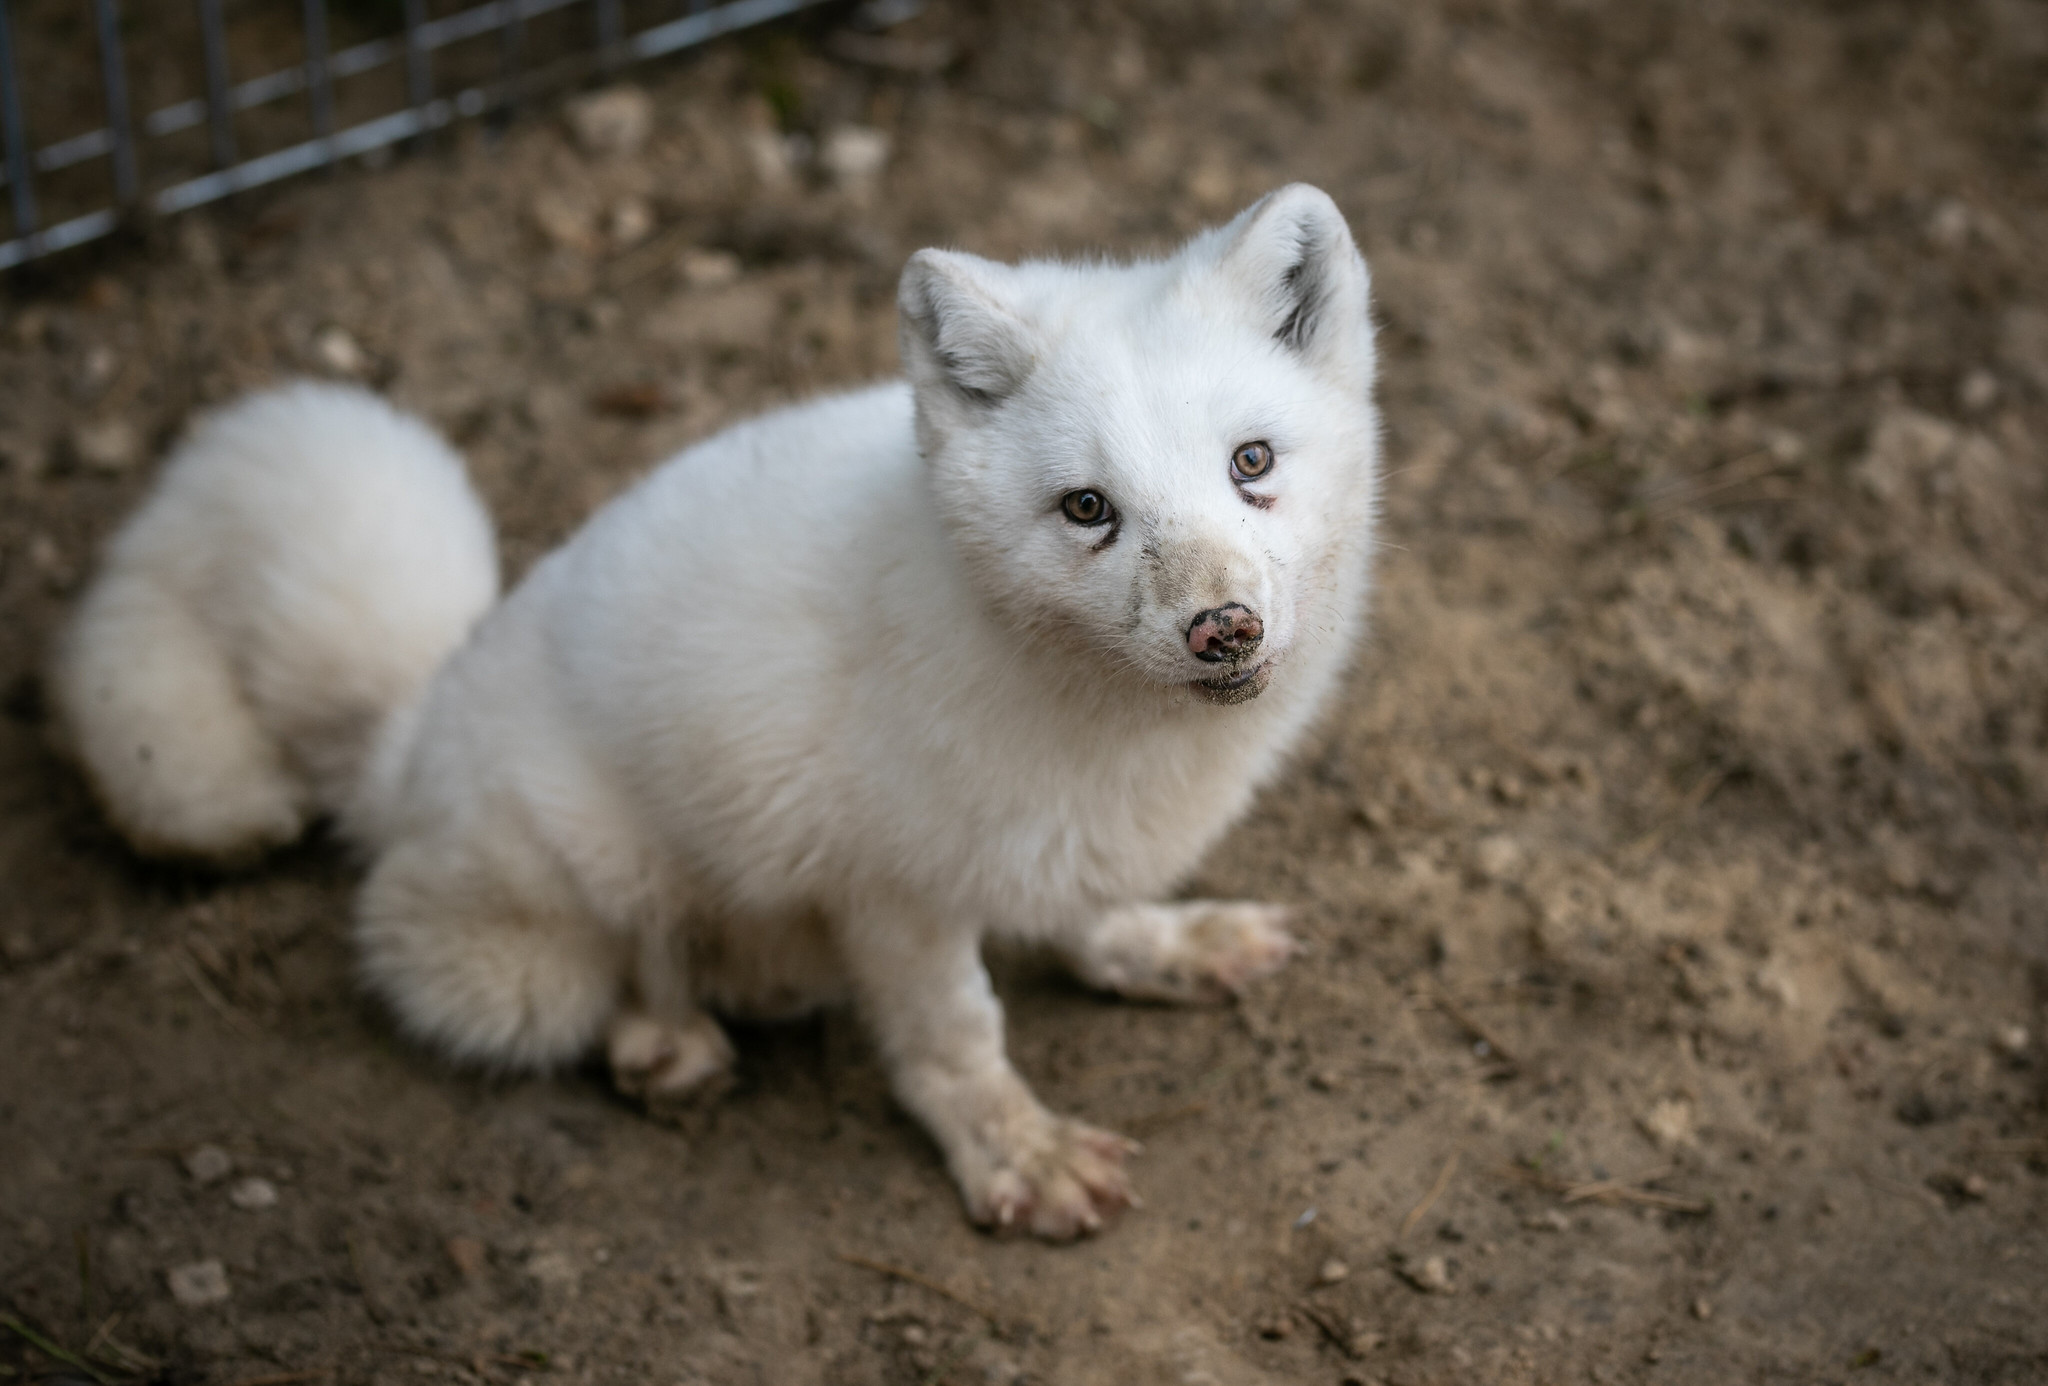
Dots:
pixel 957 331
pixel 1291 255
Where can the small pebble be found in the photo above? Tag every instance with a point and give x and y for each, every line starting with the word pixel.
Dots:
pixel 335 350
pixel 1668 1122
pixel 97 370
pixel 1433 1276
pixel 209 1164
pixel 1702 1309
pixel 630 222
pixel 1785 446
pixel 613 122
pixel 565 221
pixel 776 158
pixel 1949 227
pixel 199 1284
pixel 106 445
pixel 854 155
pixel 1978 391
pixel 1332 1271
pixel 2012 1039
pixel 708 269
pixel 253 1194
pixel 1975 1186
pixel 553 1270
pixel 1499 857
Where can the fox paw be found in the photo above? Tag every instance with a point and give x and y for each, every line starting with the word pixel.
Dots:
pixel 1202 951
pixel 1061 1187
pixel 669 1064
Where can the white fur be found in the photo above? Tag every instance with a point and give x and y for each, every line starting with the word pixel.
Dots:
pixel 308 558
pixel 836 694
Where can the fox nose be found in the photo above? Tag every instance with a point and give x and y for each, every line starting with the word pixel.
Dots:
pixel 1225 632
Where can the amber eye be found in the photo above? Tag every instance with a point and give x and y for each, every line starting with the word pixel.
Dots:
pixel 1251 461
pixel 1085 507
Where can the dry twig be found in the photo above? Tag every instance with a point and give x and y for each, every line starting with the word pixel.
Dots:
pixel 1614 1190
pixel 937 1287
pixel 1436 1191
pixel 1465 1021
pixel 657 253
pixel 234 1019
pixel 1740 471
pixel 1352 1343
pixel 1702 790
pixel 92 1344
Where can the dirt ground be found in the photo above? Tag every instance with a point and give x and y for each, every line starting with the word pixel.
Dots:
pixel 1673 868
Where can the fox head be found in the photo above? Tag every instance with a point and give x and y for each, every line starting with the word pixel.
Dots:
pixel 1171 463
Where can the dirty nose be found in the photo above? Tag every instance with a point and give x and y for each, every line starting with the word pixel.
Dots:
pixel 1225 632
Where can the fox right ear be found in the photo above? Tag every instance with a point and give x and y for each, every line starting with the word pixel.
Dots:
pixel 958 331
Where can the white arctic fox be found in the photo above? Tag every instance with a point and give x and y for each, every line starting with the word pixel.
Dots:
pixel 808 713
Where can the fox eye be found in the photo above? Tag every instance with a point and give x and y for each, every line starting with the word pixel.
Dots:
pixel 1251 461
pixel 1087 508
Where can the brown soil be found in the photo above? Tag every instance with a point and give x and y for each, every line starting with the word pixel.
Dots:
pixel 1673 869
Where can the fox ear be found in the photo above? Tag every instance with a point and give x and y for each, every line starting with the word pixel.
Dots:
pixel 1292 255
pixel 958 330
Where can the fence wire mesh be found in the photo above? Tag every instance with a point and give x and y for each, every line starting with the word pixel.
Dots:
pixel 399 71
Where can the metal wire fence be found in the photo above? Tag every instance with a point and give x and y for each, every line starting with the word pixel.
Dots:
pixel 133 185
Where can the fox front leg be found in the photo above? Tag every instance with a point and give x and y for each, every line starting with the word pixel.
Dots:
pixel 927 999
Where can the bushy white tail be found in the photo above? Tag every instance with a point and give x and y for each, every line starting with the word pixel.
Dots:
pixel 307 559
